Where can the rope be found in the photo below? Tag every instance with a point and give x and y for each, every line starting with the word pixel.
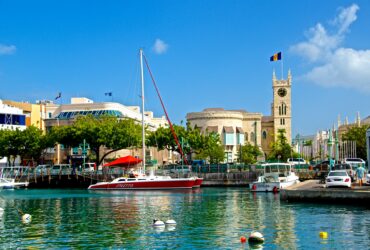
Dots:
pixel 165 111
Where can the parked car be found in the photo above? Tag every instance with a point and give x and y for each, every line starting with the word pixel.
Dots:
pixel 322 166
pixel 338 178
pixel 42 169
pixel 89 167
pixel 355 162
pixel 61 169
pixel 347 167
pixel 296 161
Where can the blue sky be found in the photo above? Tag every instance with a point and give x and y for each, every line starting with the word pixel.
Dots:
pixel 203 54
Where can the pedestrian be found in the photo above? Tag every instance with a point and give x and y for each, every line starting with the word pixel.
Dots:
pixel 360 171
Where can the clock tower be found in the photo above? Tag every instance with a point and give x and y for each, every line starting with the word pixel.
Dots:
pixel 281 109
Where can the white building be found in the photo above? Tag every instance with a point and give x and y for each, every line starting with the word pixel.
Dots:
pixel 11 117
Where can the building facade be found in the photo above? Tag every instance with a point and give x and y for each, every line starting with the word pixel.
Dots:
pixel 237 127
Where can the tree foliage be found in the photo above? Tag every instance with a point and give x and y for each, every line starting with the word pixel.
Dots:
pixel 101 131
pixel 28 144
pixel 358 134
pixel 212 149
pixel 248 153
pixel 281 149
pixel 204 146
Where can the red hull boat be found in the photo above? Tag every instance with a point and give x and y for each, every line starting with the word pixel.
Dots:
pixel 145 183
pixel 198 182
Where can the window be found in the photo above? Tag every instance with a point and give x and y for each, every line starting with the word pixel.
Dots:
pixel 264 135
pixel 252 137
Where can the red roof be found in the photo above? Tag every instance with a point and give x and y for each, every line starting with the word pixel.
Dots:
pixel 123 161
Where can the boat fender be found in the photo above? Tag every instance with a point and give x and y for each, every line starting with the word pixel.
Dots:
pixel 243 239
pixel 254 187
pixel 170 222
pixel 256 238
pixel 1 211
pixel 158 223
pixel 275 190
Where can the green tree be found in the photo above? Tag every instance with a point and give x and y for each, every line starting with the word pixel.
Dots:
pixel 34 142
pixel 212 150
pixel 281 149
pixel 357 134
pixel 248 153
pixel 100 131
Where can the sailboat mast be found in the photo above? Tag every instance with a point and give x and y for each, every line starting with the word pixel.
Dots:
pixel 142 107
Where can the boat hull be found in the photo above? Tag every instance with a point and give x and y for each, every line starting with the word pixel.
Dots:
pixel 145 185
pixel 198 182
pixel 271 186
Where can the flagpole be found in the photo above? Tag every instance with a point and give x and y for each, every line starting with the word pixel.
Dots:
pixel 282 68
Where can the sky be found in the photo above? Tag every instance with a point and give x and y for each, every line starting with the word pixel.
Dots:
pixel 203 54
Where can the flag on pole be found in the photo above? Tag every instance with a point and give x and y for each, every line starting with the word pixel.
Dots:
pixel 275 57
pixel 108 94
pixel 58 96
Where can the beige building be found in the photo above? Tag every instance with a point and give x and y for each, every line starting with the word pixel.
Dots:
pixel 237 127
pixel 35 113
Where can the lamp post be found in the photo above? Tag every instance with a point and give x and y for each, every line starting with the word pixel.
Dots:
pixel 84 152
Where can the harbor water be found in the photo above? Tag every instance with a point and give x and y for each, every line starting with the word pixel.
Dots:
pixel 207 218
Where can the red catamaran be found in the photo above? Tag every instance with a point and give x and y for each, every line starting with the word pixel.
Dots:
pixel 151 182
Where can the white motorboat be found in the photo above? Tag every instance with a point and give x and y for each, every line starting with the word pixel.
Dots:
pixel 9 183
pixel 275 176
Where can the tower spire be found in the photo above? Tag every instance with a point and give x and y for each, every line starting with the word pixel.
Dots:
pixel 358 120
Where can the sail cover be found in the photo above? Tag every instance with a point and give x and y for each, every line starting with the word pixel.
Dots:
pixel 123 161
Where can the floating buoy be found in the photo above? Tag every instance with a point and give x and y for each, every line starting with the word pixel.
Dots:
pixel 171 227
pixel 324 235
pixel 170 222
pixel 243 239
pixel 275 190
pixel 158 223
pixel 26 218
pixel 256 237
pixel 254 187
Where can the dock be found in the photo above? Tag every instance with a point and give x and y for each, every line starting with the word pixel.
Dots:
pixel 314 191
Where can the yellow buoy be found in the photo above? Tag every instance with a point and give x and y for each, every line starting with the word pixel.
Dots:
pixel 323 235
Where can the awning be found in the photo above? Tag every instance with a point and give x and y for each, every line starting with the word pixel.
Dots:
pixel 239 130
pixel 123 161
pixel 228 130
pixel 211 129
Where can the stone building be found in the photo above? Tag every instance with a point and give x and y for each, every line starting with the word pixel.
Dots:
pixel 237 127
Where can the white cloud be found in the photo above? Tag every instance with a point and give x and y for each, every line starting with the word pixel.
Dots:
pixel 7 49
pixel 334 65
pixel 160 47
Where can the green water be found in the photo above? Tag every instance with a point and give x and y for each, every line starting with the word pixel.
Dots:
pixel 207 218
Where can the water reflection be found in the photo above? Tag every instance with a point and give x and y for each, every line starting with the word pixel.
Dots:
pixel 207 218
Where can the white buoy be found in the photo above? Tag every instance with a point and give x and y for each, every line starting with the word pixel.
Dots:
pixel 170 222
pixel 158 223
pixel 26 218
pixel 256 237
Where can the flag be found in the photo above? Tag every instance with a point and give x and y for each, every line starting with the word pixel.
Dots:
pixel 108 94
pixel 58 96
pixel 275 57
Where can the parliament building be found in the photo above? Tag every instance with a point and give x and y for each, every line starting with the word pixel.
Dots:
pixel 238 127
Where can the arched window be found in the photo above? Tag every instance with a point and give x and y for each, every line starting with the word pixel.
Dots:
pixel 246 136
pixel 282 109
pixel 264 135
pixel 252 137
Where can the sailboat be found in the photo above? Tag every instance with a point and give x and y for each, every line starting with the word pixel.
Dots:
pixel 151 182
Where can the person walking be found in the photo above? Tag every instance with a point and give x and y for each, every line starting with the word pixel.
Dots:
pixel 360 171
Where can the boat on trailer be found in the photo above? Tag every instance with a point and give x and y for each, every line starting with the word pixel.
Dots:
pixel 276 176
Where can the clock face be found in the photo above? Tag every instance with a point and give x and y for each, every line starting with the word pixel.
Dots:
pixel 282 92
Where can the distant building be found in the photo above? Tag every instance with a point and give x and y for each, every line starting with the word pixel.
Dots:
pixel 11 117
pixel 237 127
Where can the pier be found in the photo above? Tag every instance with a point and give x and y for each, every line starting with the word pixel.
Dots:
pixel 314 191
